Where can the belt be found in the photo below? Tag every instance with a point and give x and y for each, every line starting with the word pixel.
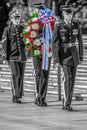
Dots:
pixel 68 45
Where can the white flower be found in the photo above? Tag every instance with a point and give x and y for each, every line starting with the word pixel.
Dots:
pixel 37 42
pixel 33 34
pixel 36 52
pixel 27 40
pixel 34 19
pixel 27 29
pixel 35 26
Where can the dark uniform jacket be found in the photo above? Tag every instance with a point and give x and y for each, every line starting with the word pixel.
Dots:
pixel 12 44
pixel 65 50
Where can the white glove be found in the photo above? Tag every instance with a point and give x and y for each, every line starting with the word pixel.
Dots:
pixel 55 66
pixel 5 62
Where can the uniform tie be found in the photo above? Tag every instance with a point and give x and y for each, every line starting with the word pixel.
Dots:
pixel 69 24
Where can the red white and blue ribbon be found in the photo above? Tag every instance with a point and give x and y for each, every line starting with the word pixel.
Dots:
pixel 45 48
pixel 46 16
pixel 47 40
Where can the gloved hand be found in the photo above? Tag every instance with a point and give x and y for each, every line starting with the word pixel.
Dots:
pixel 6 62
pixel 55 66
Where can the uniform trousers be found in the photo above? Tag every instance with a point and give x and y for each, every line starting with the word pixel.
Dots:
pixel 17 70
pixel 41 78
pixel 69 73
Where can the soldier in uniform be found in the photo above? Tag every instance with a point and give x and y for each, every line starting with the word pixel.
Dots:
pixel 41 76
pixel 66 53
pixel 14 53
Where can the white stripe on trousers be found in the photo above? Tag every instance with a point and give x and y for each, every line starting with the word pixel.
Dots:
pixel 63 84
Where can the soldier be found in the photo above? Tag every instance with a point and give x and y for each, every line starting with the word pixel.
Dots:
pixel 41 76
pixel 14 53
pixel 65 51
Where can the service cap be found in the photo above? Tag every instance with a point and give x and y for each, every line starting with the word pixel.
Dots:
pixel 15 13
pixel 66 8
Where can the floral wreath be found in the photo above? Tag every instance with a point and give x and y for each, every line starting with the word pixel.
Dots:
pixel 31 37
pixel 34 27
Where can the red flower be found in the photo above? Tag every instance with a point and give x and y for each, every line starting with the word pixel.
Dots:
pixel 27 35
pixel 39 48
pixel 35 46
pixel 30 48
pixel 37 31
pixel 40 25
pixel 31 29
pixel 39 19
pixel 31 39
pixel 36 37
pixel 33 22
pixel 29 23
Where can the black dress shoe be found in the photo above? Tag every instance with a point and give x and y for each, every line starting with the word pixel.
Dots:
pixel 16 100
pixel 67 108
pixel 19 101
pixel 37 101
pixel 64 108
pixel 43 104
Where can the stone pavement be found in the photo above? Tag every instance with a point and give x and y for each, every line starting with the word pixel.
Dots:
pixel 28 116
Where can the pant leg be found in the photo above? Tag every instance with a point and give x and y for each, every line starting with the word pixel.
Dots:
pixel 15 78
pixel 67 79
pixel 73 72
pixel 21 80
pixel 37 69
pixel 44 82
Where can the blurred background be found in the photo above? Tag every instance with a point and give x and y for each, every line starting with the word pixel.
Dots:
pixel 80 10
